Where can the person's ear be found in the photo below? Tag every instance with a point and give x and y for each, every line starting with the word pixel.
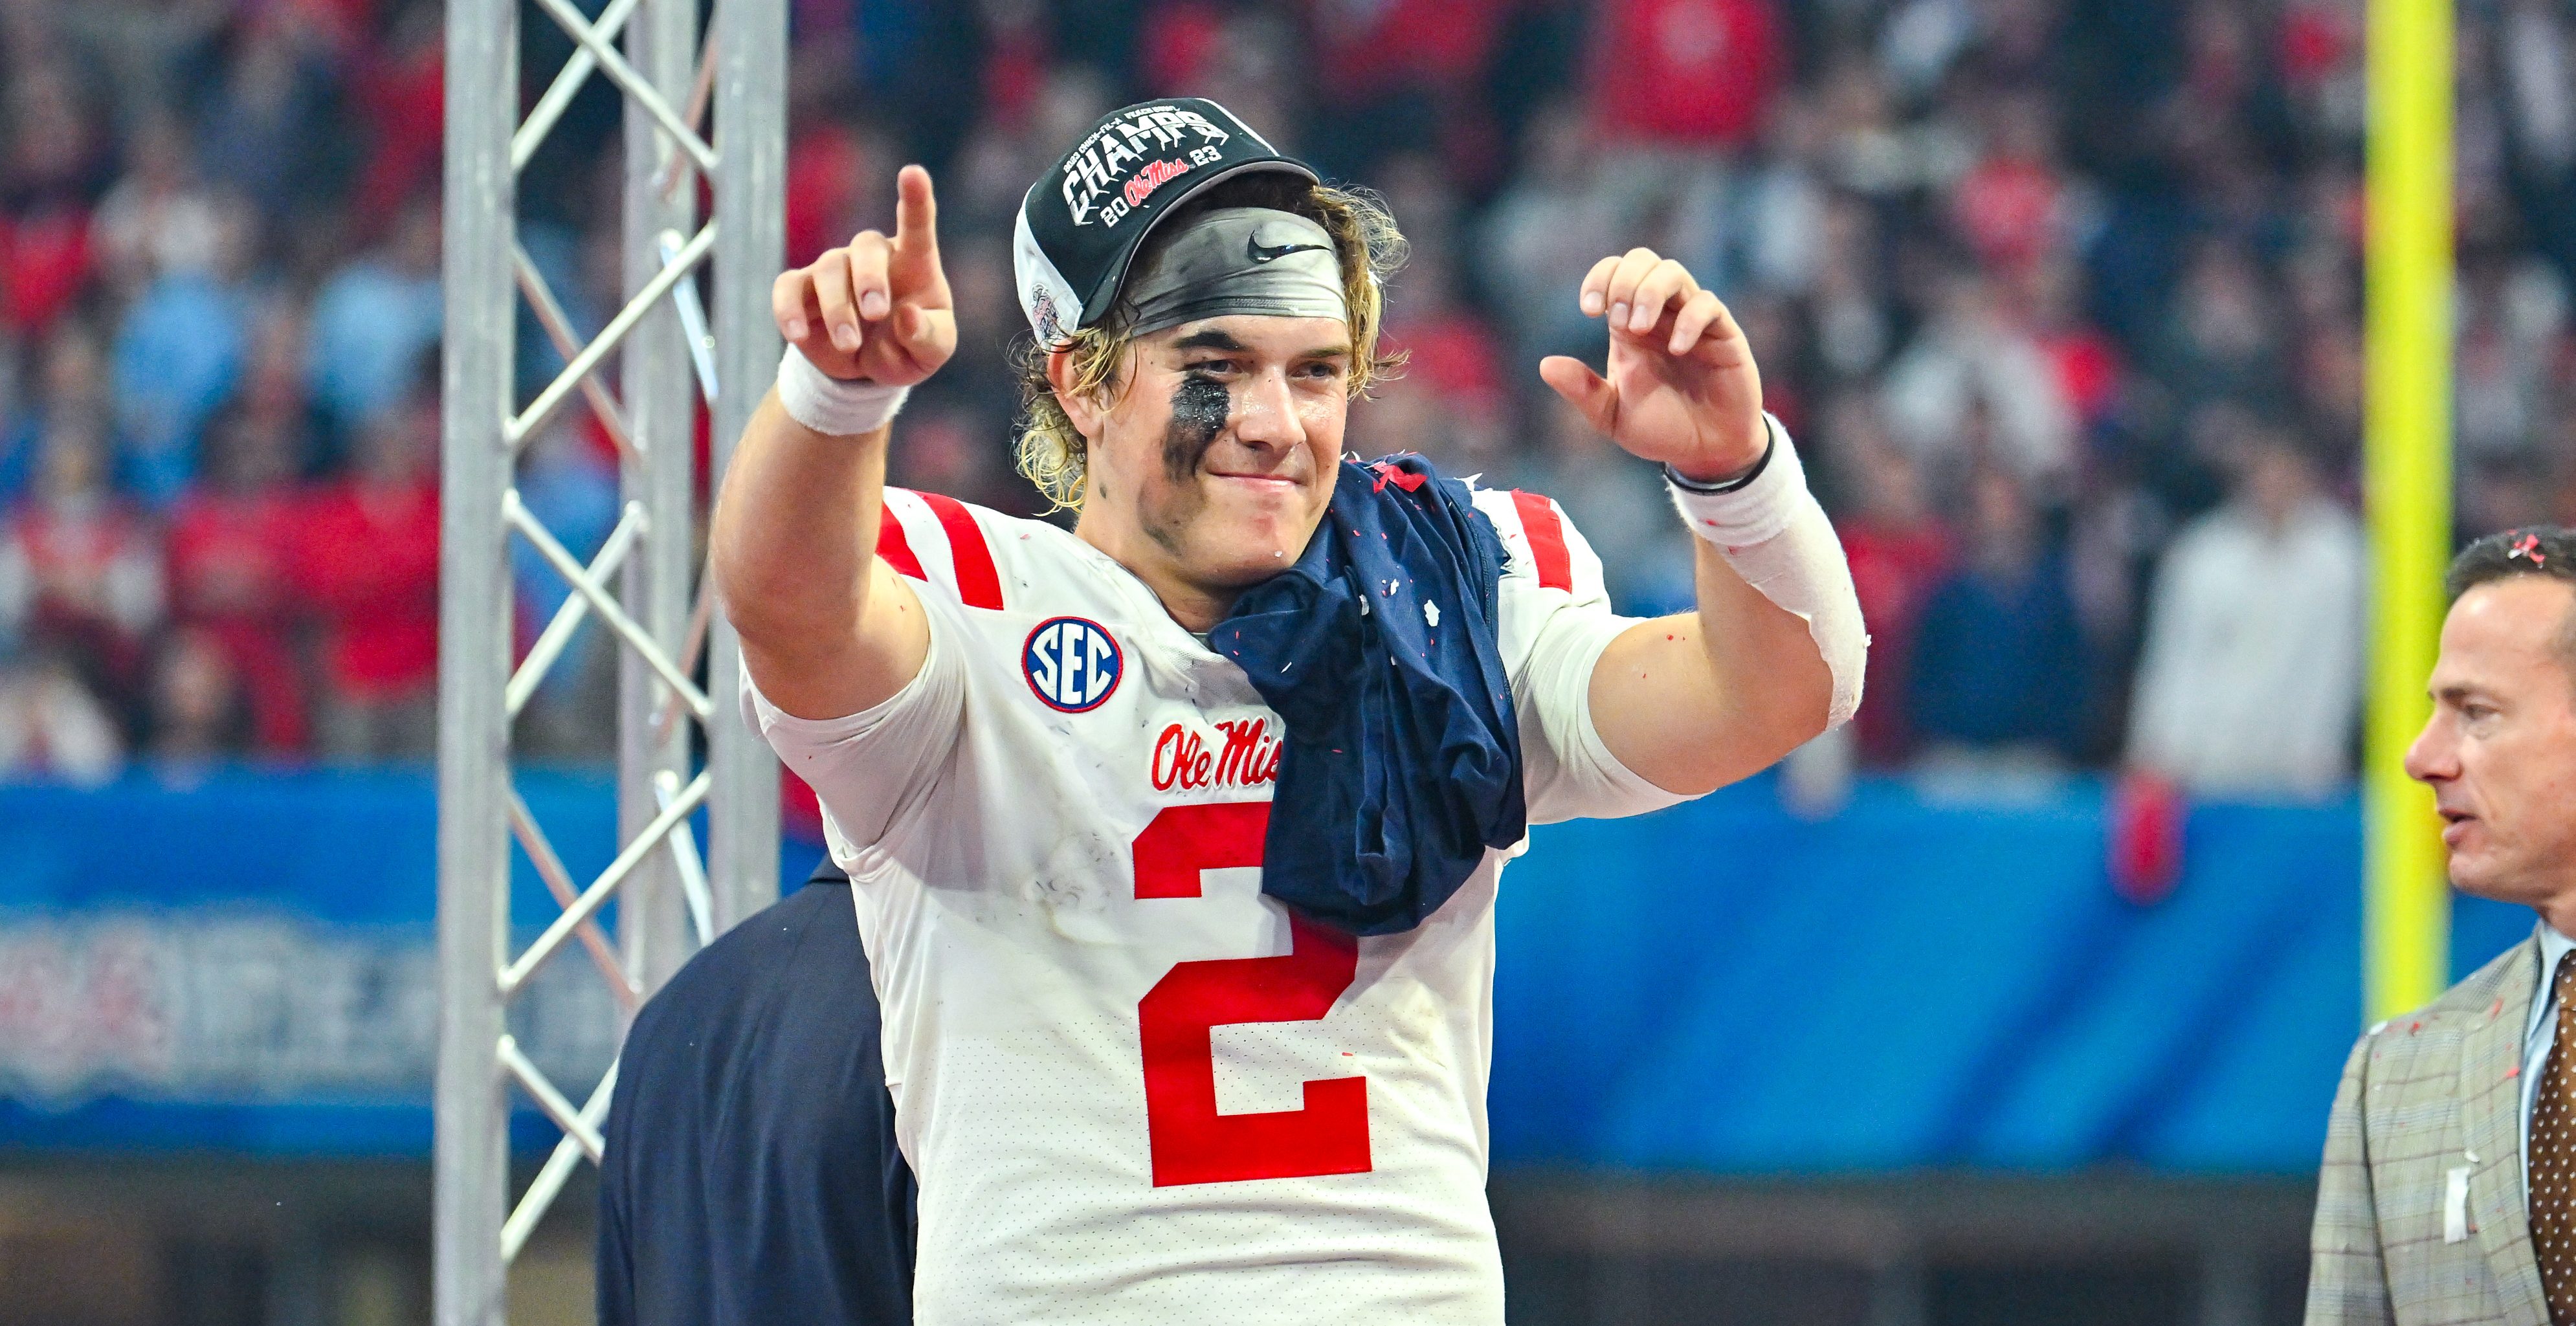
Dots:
pixel 1079 407
pixel 1088 411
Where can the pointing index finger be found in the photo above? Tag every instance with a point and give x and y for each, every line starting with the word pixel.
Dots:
pixel 916 215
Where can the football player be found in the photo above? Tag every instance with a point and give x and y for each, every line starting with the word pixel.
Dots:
pixel 1133 1087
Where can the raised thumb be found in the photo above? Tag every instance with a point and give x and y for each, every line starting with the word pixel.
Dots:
pixel 1588 391
pixel 929 333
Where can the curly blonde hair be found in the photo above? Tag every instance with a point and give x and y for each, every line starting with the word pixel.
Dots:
pixel 1053 454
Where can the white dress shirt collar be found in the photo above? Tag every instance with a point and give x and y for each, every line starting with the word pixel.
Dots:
pixel 2553 946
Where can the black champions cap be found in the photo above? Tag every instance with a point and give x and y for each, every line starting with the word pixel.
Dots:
pixel 1082 222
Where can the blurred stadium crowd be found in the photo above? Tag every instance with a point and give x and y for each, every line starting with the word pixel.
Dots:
pixel 2060 296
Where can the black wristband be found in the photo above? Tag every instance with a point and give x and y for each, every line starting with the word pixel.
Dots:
pixel 1770 443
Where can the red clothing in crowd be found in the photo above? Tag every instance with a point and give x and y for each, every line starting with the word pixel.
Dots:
pixel 344 22
pixel 2007 210
pixel 1396 45
pixel 800 812
pixel 231 574
pixel 403 94
pixel 1179 45
pixel 44 261
pixel 1687 73
pixel 1017 57
pixel 1893 569
pixel 1455 353
pixel 2315 41
pixel 91 566
pixel 368 560
pixel 2088 370
pixel 826 166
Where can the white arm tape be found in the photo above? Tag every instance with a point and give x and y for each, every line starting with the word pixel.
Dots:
pixel 831 406
pixel 1774 535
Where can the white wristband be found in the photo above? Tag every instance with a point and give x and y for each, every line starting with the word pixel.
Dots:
pixel 831 406
pixel 1774 535
pixel 1755 512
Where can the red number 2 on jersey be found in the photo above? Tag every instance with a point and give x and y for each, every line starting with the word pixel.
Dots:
pixel 1192 1143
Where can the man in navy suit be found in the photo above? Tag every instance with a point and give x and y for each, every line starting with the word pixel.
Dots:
pixel 751 1175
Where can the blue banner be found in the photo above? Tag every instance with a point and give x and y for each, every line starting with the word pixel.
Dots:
pixel 247 963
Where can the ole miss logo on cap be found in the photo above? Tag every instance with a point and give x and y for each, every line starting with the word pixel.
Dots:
pixel 1072 664
pixel 1154 175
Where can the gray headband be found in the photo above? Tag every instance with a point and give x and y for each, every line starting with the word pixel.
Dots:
pixel 1240 260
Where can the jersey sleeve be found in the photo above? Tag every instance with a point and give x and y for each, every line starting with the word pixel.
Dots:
pixel 1556 620
pixel 871 767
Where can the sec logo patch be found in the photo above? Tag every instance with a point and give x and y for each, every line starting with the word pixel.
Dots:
pixel 1072 664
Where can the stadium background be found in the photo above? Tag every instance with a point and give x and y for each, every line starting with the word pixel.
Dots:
pixel 1972 1020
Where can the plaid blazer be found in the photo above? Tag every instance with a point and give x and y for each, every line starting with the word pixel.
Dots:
pixel 2426 1097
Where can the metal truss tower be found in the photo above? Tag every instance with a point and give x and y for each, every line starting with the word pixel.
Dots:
pixel 645 587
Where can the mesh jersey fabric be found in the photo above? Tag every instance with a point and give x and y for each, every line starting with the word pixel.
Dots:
pixel 1134 1088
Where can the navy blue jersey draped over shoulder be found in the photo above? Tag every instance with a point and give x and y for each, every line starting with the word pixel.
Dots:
pixel 1380 650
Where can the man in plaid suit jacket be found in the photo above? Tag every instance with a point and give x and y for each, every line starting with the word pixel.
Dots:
pixel 2448 1193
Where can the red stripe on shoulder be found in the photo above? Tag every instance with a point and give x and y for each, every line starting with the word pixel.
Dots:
pixel 1546 539
pixel 894 547
pixel 979 585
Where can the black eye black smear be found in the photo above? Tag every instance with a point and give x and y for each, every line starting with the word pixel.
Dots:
pixel 1199 411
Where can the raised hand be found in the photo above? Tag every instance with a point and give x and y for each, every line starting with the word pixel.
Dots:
pixel 876 309
pixel 1682 386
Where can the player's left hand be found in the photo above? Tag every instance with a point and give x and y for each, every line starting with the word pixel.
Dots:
pixel 1682 386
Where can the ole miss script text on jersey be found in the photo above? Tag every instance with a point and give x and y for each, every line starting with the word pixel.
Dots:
pixel 1134 1089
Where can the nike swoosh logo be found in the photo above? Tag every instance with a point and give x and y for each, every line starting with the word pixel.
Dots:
pixel 1254 249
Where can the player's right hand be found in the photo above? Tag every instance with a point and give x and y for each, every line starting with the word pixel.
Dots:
pixel 876 309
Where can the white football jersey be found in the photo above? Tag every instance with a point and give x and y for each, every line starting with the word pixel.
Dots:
pixel 1133 1089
